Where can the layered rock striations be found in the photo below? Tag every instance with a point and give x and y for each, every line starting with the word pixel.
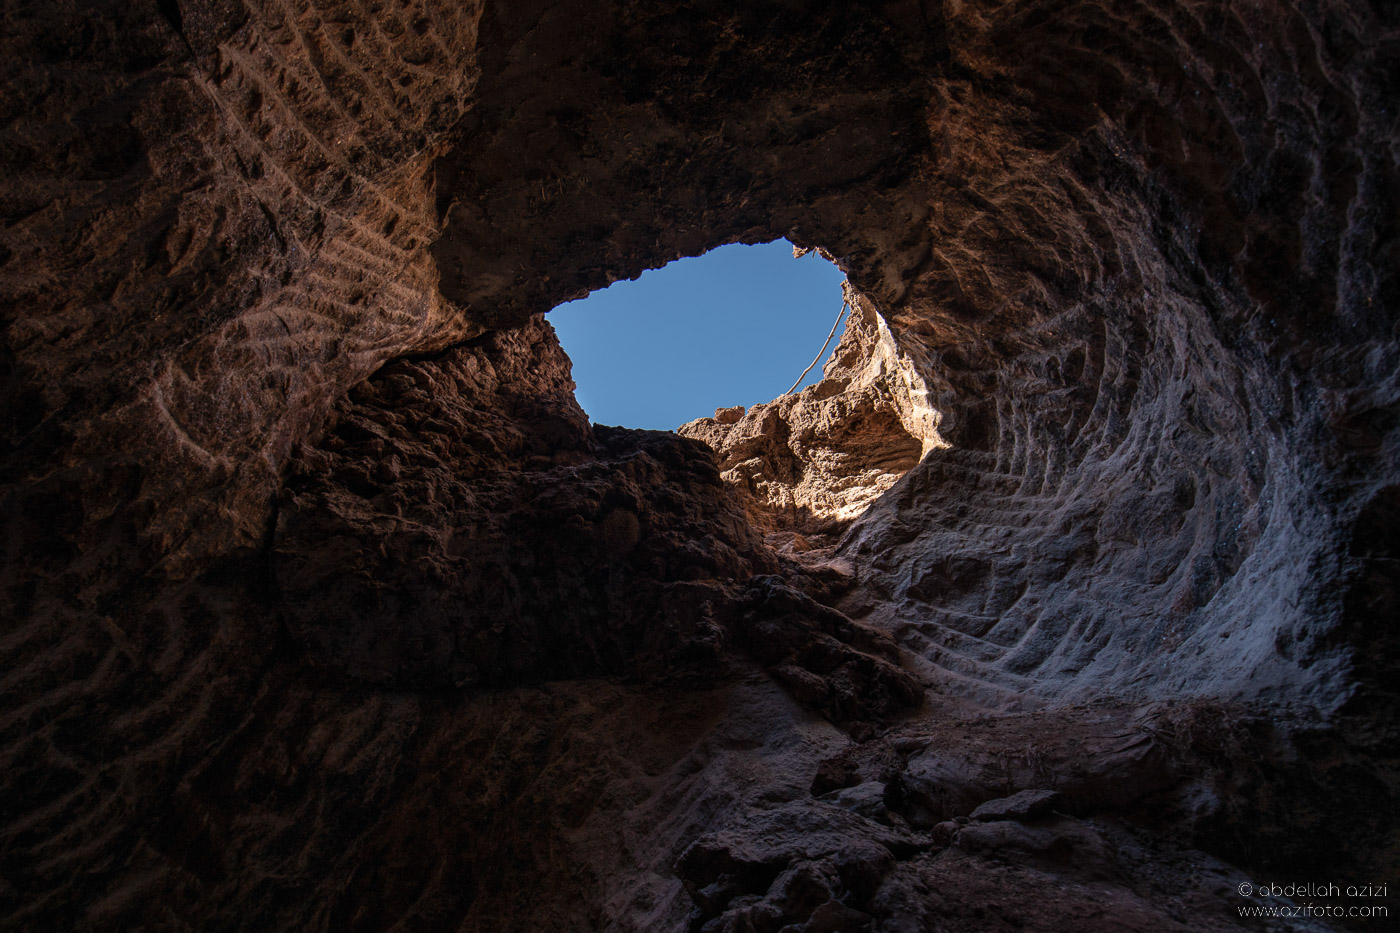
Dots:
pixel 324 607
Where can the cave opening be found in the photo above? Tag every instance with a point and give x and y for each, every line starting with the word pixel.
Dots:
pixel 730 328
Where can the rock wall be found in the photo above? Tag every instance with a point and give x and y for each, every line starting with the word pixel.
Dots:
pixel 812 462
pixel 325 608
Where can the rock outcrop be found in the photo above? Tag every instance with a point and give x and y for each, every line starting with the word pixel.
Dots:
pixel 324 608
pixel 813 461
pixel 461 524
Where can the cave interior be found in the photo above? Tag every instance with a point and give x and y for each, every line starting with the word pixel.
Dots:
pixel 1065 600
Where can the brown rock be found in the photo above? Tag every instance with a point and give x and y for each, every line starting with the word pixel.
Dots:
pixel 813 461
pixel 315 581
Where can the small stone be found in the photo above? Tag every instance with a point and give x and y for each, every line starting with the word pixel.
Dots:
pixel 1026 805
pixel 729 415
pixel 867 799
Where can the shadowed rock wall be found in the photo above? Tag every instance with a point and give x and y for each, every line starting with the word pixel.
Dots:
pixel 324 607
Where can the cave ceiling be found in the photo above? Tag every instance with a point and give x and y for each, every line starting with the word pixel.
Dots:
pixel 1068 591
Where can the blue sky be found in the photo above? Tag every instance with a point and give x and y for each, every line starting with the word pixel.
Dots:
pixel 732 327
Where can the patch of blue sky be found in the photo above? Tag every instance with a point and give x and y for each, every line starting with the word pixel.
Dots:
pixel 732 327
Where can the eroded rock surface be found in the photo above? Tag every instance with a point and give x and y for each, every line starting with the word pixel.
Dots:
pixel 461 523
pixel 812 461
pixel 325 609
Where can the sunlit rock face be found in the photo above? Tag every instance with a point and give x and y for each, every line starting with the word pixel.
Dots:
pixel 813 461
pixel 326 609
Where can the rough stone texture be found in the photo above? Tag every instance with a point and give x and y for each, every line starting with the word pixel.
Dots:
pixel 322 606
pixel 812 462
pixel 1023 805
pixel 513 542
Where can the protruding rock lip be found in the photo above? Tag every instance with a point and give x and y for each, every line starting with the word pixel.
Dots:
pixel 1022 805
pixel 729 415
